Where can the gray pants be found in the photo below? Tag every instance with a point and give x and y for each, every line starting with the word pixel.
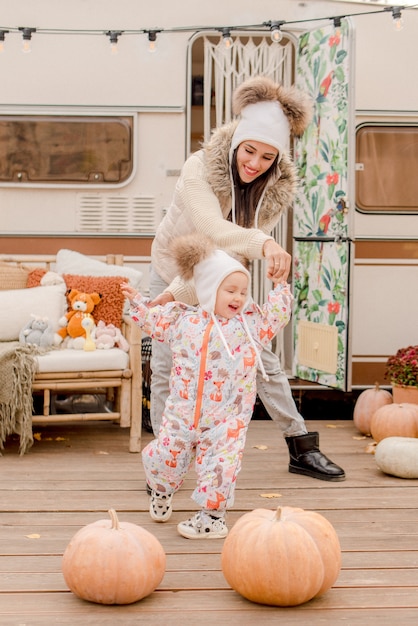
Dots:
pixel 275 394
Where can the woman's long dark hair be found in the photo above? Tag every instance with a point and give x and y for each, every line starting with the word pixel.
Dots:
pixel 247 195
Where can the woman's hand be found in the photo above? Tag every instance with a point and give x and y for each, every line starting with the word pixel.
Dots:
pixel 162 298
pixel 278 261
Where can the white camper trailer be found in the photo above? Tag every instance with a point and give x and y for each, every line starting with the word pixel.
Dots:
pixel 92 141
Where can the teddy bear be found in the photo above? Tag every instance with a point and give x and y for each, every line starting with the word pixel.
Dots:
pixel 38 331
pixel 73 323
pixel 107 336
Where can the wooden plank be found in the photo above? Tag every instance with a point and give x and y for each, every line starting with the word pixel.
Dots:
pixel 183 602
pixel 322 500
pixel 194 562
pixel 343 518
pixel 194 580
pixel 346 532
pixel 238 617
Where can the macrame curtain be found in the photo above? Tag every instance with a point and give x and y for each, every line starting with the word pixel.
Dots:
pixel 224 70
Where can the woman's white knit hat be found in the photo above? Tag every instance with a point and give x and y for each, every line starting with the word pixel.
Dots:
pixel 269 112
pixel 264 122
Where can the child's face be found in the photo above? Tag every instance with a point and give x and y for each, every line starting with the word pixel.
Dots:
pixel 231 295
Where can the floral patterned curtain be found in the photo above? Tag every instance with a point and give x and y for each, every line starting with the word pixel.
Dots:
pixel 322 247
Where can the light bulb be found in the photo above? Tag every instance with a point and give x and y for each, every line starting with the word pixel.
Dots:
pixel 397 18
pixel 227 39
pixel 398 23
pixel 2 38
pixel 27 36
pixel 113 37
pixel 337 27
pixel 275 32
pixel 152 41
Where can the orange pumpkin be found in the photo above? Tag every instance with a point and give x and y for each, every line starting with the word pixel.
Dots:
pixel 112 562
pixel 282 558
pixel 395 420
pixel 367 403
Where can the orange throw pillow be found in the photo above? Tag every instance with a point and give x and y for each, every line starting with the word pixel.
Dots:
pixel 109 309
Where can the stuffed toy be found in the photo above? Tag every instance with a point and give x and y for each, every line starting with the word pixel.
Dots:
pixel 38 331
pixel 107 336
pixel 74 321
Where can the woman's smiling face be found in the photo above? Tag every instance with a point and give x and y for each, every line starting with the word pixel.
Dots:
pixel 253 159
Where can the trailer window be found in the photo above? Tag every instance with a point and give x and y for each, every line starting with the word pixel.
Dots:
pixel 386 170
pixel 70 149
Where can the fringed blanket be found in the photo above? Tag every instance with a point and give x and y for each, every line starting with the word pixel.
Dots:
pixel 17 371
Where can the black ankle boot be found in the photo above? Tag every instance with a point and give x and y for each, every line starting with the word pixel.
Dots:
pixel 307 459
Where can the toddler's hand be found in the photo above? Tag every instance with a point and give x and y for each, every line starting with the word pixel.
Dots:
pixel 128 291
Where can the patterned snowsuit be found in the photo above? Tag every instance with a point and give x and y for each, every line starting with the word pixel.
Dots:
pixel 211 394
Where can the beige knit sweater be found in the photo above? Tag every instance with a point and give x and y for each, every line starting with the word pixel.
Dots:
pixel 202 201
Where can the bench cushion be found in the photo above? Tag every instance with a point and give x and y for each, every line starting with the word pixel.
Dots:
pixel 69 360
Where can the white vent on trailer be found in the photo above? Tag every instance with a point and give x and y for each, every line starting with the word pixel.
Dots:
pixel 116 214
pixel 318 346
pixel 90 212
pixel 143 214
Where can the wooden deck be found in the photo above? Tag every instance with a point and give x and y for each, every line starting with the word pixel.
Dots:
pixel 75 473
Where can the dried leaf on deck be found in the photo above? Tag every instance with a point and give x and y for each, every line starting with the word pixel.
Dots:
pixel 371 447
pixel 33 536
pixel 270 495
pixel 261 446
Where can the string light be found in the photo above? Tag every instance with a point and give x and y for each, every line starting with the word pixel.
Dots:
pixel 27 36
pixel 275 32
pixel 227 39
pixel 337 25
pixel 274 27
pixel 397 18
pixel 113 37
pixel 152 39
pixel 2 38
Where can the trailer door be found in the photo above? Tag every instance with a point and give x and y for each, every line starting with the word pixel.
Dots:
pixel 322 225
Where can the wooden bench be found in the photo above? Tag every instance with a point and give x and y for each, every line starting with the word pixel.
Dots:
pixel 122 385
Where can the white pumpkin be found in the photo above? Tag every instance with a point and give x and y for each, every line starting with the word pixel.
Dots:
pixel 398 456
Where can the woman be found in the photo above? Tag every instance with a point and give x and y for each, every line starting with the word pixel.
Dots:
pixel 234 190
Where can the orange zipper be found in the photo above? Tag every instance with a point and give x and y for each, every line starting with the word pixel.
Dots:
pixel 203 356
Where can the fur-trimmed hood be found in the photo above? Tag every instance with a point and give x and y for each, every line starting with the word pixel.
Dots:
pixel 281 189
pixel 197 257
